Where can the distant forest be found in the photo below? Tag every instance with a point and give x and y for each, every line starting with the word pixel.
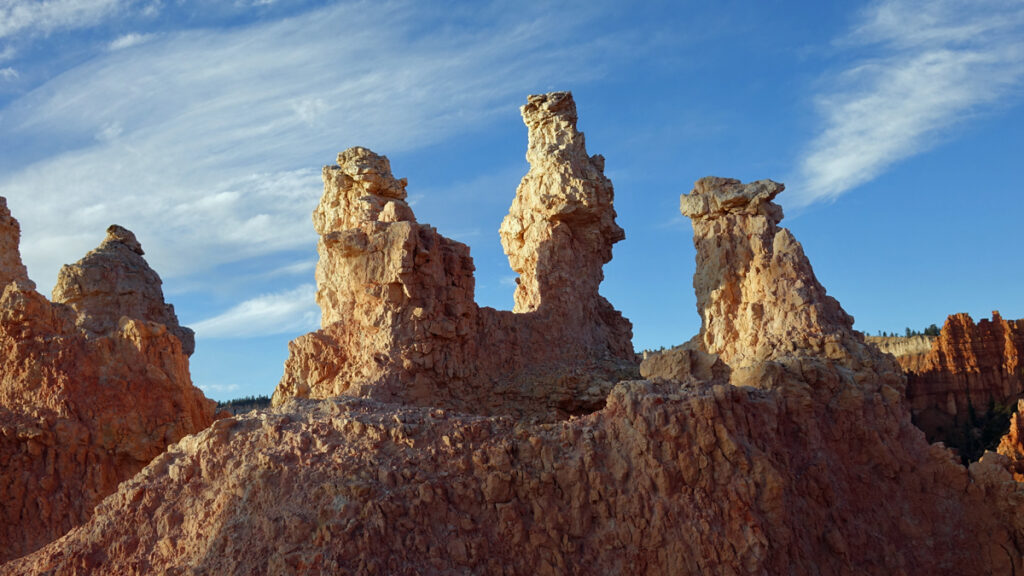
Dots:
pixel 932 330
pixel 242 405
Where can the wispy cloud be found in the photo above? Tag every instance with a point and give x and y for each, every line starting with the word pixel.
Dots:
pixel 129 40
pixel 219 162
pixel 918 68
pixel 290 311
pixel 45 16
pixel 218 389
pixel 8 73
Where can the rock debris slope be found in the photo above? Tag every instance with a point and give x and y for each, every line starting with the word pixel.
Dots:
pixel 89 392
pixel 399 322
pixel 775 442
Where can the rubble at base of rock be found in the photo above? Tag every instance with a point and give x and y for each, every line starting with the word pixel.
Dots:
pixel 82 408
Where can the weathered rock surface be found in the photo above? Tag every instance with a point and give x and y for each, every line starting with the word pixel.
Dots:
pixel 114 280
pixel 399 322
pixel 812 466
pixel 11 268
pixel 1012 444
pixel 968 366
pixel 909 351
pixel 80 410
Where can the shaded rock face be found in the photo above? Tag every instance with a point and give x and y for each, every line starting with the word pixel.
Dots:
pixel 11 268
pixel 969 366
pixel 114 280
pixel 811 467
pixel 399 322
pixel 81 410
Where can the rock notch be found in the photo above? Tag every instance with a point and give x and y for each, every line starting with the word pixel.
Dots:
pixel 114 281
pixel 399 322
pixel 90 392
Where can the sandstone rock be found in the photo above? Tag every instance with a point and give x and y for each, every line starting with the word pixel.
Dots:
pixel 757 295
pixel 114 281
pixel 811 466
pixel 11 268
pixel 1012 444
pixel 909 351
pixel 968 366
pixel 81 411
pixel 399 322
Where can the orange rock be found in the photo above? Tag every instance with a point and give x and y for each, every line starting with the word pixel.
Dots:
pixel 80 411
pixel 968 366
pixel 399 322
pixel 737 457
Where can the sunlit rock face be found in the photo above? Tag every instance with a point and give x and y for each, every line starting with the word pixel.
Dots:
pixel 399 322
pixel 89 393
pixel 774 442
pixel 969 367
pixel 114 280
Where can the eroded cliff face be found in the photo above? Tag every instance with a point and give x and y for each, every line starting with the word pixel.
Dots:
pixel 399 322
pixel 810 466
pixel 969 366
pixel 81 408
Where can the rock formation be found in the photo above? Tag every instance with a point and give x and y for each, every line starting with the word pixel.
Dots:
pixel 399 322
pixel 775 442
pixel 11 268
pixel 909 351
pixel 87 399
pixel 114 280
pixel 968 367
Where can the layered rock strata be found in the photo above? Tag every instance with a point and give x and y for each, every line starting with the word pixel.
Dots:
pixel 82 409
pixel 909 351
pixel 810 466
pixel 968 367
pixel 399 322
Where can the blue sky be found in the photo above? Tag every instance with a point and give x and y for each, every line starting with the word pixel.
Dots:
pixel 897 127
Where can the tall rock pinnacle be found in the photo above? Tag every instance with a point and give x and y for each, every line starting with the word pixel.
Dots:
pixel 11 268
pixel 398 317
pixel 560 229
pixel 114 280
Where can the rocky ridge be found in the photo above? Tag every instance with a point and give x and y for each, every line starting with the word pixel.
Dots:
pixel 776 441
pixel 88 394
pixel 399 322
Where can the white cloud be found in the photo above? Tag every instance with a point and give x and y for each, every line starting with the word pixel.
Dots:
pixel 291 311
pixel 8 53
pixel 927 65
pixel 129 40
pixel 45 16
pixel 218 389
pixel 211 141
pixel 8 73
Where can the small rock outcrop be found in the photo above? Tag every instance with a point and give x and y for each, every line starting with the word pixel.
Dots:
pixel 775 442
pixel 399 322
pixel 114 281
pixel 89 392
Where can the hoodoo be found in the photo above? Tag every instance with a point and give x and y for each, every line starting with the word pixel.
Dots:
pixel 89 393
pixel 399 322
pixel 775 442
